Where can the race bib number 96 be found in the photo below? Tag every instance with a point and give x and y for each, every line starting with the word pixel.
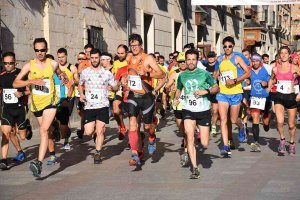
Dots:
pixel 193 103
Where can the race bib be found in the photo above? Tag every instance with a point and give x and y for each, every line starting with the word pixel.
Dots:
pixel 42 90
pixel 284 87
pixel 135 82
pixel 94 96
pixel 258 103
pixel 296 89
pixel 57 88
pixel 226 75
pixel 193 103
pixel 9 96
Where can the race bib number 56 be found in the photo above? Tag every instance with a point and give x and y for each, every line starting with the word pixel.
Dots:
pixel 9 96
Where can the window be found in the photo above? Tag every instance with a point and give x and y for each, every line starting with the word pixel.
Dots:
pixel 95 37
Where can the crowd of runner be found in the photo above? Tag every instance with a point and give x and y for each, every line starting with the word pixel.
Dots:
pixel 234 88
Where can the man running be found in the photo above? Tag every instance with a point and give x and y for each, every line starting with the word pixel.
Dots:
pixel 197 84
pixel 97 82
pixel 43 97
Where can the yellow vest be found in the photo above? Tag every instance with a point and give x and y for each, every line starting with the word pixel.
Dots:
pixel 228 71
pixel 117 65
pixel 155 81
pixel 70 76
pixel 42 96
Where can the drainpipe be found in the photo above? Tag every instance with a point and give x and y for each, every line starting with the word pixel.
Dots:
pixel 0 36
pixel 127 21
pixel 186 20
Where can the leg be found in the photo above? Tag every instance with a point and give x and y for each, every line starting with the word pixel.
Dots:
pixel 223 120
pixel 291 122
pixel 189 126
pixel 100 131
pixel 6 131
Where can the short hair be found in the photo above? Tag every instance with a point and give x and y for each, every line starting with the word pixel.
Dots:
pixel 124 47
pixel 40 40
pixel 88 45
pixel 228 39
pixel 95 51
pixel 135 37
pixel 285 47
pixel 170 54
pixel 175 52
pixel 50 56
pixel 152 54
pixel 189 46
pixel 265 56
pixel 82 53
pixel 161 57
pixel 62 50
pixel 11 54
pixel 244 50
pixel 107 54
pixel 191 52
pixel 156 53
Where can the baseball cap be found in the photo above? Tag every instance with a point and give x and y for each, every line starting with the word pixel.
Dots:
pixel 211 54
pixel 181 56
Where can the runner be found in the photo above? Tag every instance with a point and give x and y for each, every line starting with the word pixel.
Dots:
pixel 232 71
pixel 285 97
pixel 197 85
pixel 43 97
pixel 141 69
pixel 260 103
pixel 266 58
pixel 13 116
pixel 97 82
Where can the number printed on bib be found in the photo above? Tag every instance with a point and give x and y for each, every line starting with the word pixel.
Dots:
pixel 258 103
pixel 194 104
pixel 9 96
pixel 284 87
pixel 135 82
pixel 226 75
pixel 296 89
pixel 94 96
pixel 42 90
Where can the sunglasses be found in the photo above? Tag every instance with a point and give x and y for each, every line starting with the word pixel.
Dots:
pixel 40 50
pixel 181 61
pixel 81 59
pixel 227 47
pixel 8 63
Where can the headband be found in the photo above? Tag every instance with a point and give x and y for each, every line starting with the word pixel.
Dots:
pixel 105 58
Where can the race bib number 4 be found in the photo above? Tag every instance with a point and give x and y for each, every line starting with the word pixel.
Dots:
pixel 9 96
pixel 284 87
pixel 258 103
pixel 226 75
pixel 135 82
pixel 42 90
pixel 94 96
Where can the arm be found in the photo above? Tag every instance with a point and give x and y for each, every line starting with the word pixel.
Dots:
pixel 161 83
pixel 19 82
pixel 171 81
pixel 243 65
pixel 153 69
pixel 75 74
pixel 271 80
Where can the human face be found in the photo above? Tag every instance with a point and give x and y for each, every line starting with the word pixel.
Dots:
pixel 135 47
pixel 228 48
pixel 62 58
pixel 87 52
pixel 295 60
pixel 95 60
pixel 40 51
pixel 161 61
pixel 211 59
pixel 9 63
pixel 284 55
pixel 182 65
pixel 105 62
pixel 121 53
pixel 80 58
pixel 266 60
pixel 170 59
pixel 256 64
pixel 191 61
pixel 247 54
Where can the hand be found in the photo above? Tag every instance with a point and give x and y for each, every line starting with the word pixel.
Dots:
pixel 154 93
pixel 200 92
pixel 269 90
pixel 176 102
pixel 230 82
pixel 82 98
pixel 63 78
pixel 264 83
pixel 37 81
pixel 109 88
pixel 18 94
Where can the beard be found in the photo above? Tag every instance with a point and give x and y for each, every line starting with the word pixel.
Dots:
pixel 95 64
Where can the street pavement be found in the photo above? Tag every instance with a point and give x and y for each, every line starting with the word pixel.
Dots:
pixel 246 175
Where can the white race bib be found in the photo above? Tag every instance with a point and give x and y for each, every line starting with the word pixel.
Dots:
pixel 135 82
pixel 9 96
pixel 296 88
pixel 193 103
pixel 94 96
pixel 57 88
pixel 284 87
pixel 42 90
pixel 226 75
pixel 258 103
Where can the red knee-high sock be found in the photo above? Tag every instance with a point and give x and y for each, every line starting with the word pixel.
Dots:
pixel 133 140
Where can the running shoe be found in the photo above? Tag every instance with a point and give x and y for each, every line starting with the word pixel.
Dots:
pixel 135 160
pixel 213 131
pixel 231 144
pixel 292 150
pixel 67 146
pixel 122 133
pixel 151 147
pixel 242 136
pixel 56 132
pixel 36 168
pixel 184 159
pixel 281 147
pixel 255 147
pixel 3 165
pixel 225 151
pixel 97 158
pixel 79 134
pixel 20 156
pixel 195 174
pixel 52 160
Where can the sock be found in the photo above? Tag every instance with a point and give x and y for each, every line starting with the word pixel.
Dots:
pixel 98 151
pixel 282 138
pixel 21 151
pixel 255 130
pixel 152 136
pixel 292 142
pixel 52 153
pixel 133 140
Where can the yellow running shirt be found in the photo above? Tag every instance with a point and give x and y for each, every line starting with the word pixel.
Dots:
pixel 117 65
pixel 42 96
pixel 70 75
